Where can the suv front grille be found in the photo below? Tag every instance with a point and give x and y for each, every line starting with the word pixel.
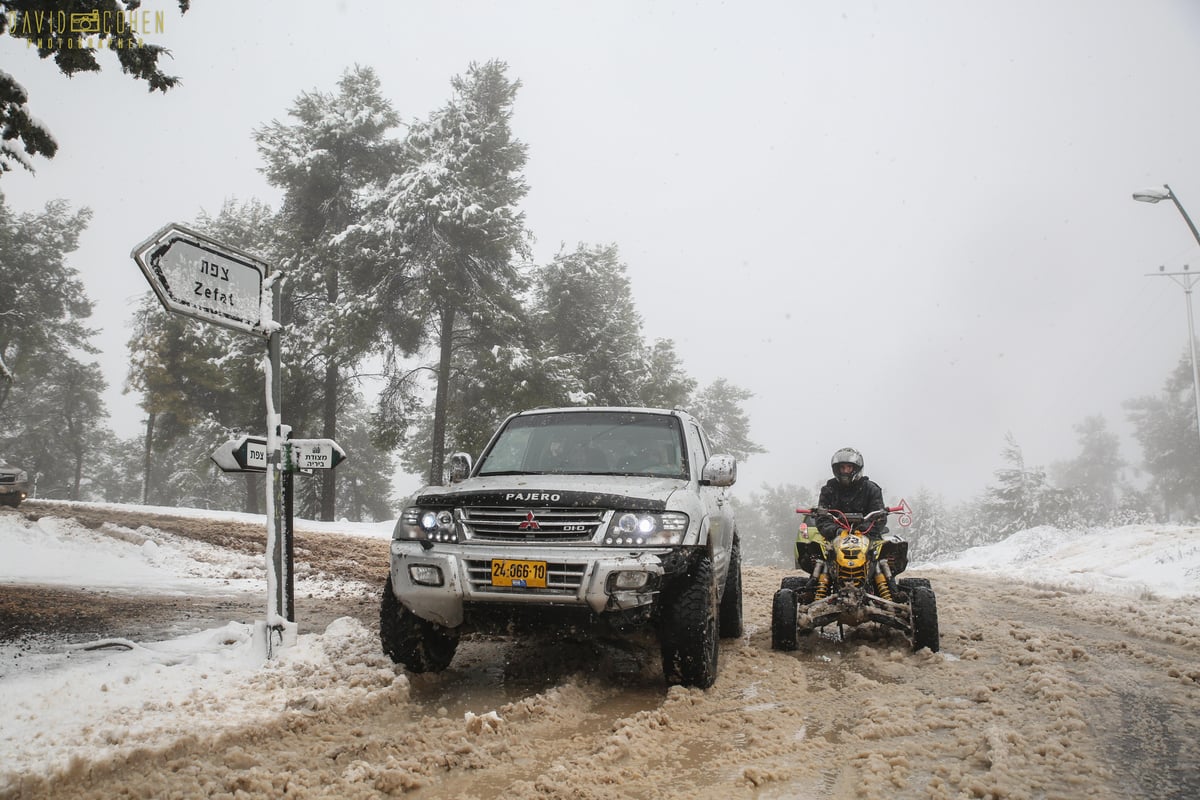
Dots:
pixel 561 579
pixel 526 525
pixel 9 478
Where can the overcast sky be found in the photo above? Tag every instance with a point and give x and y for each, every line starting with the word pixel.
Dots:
pixel 907 227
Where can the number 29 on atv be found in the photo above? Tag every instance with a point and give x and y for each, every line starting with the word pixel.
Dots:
pixel 851 580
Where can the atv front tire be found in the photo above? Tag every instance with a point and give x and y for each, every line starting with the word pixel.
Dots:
pixel 689 629
pixel 924 618
pixel 418 644
pixel 783 620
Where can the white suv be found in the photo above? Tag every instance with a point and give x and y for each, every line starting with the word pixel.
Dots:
pixel 604 521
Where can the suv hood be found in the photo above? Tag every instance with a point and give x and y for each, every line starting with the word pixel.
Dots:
pixel 637 493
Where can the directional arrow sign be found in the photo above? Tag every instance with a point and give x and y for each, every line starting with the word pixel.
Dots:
pixel 203 278
pixel 315 453
pixel 244 454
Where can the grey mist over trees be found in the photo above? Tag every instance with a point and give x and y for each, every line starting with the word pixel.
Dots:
pixel 416 318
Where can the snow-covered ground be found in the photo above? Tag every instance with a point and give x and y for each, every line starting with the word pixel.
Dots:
pixel 91 703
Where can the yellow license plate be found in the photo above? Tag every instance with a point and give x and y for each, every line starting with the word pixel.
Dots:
pixel 519 574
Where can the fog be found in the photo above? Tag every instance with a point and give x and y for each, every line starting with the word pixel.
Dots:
pixel 906 227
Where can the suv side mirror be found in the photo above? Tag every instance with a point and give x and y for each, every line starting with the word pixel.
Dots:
pixel 460 467
pixel 719 471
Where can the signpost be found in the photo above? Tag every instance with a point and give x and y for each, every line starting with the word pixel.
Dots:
pixel 246 454
pixel 200 277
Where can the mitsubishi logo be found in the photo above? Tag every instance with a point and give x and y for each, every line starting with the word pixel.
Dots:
pixel 530 523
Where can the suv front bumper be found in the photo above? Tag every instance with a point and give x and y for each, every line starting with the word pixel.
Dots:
pixel 591 578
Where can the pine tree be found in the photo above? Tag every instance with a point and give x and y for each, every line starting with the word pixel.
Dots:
pixel 40 24
pixel 57 426
pixel 1165 427
pixel 1021 498
pixel 719 408
pixel 1095 474
pixel 326 161
pixel 454 207
pixel 586 314
pixel 43 305
pixel 767 524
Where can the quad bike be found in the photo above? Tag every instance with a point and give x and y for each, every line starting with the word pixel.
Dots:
pixel 852 580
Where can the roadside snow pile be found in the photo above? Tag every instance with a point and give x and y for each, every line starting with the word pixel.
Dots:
pixel 125 697
pixel 64 552
pixel 1163 560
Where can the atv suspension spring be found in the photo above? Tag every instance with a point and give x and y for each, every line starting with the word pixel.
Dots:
pixel 881 586
pixel 822 587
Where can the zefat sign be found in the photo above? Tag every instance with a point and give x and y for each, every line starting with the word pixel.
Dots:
pixel 202 278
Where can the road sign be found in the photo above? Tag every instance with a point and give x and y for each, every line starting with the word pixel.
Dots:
pixel 308 454
pixel 203 278
pixel 244 454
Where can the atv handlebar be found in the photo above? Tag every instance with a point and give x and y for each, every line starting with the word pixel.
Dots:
pixel 845 520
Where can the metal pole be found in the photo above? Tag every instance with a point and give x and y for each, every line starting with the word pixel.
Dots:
pixel 1186 218
pixel 276 568
pixel 1186 279
pixel 1187 292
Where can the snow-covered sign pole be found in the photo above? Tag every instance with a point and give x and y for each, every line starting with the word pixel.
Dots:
pixel 197 276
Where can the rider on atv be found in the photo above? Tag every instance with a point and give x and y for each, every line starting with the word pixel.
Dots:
pixel 851 492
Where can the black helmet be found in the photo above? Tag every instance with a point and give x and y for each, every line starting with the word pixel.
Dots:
pixel 847 455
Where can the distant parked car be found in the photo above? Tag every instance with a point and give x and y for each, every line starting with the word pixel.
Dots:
pixel 14 484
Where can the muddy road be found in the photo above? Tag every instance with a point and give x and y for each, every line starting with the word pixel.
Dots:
pixel 1037 693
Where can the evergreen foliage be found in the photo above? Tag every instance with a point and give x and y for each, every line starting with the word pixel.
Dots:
pixel 454 209
pixel 768 523
pixel 719 408
pixel 326 160
pixel 40 24
pixel 1165 427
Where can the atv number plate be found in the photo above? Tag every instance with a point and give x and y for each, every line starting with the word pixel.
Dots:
pixel 519 574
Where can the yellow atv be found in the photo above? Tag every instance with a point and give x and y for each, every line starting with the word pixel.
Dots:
pixel 852 580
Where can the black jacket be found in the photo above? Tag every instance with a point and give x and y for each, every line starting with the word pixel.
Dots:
pixel 861 497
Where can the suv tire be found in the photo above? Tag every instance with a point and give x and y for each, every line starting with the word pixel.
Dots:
pixel 418 644
pixel 731 601
pixel 689 629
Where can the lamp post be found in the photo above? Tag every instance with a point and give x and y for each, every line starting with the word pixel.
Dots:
pixel 1184 279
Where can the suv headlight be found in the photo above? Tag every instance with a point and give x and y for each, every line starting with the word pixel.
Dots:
pixel 643 529
pixel 22 477
pixel 426 524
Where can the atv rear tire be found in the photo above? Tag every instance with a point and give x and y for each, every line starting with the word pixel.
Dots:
pixel 924 618
pixel 731 601
pixel 418 644
pixel 689 629
pixel 783 620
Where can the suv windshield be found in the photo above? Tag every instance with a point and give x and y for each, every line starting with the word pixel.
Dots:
pixel 589 443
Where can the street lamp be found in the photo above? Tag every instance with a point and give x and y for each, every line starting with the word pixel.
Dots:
pixel 1184 279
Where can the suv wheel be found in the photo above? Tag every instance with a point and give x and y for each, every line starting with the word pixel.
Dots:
pixel 418 644
pixel 731 601
pixel 689 629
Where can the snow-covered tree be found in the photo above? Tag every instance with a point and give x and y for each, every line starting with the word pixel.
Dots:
pixel 56 426
pixel 586 314
pixel 1095 474
pixel 1021 498
pixel 454 207
pixel 1165 427
pixel 326 161
pixel 719 408
pixel 41 24
pixel 767 523
pixel 43 305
